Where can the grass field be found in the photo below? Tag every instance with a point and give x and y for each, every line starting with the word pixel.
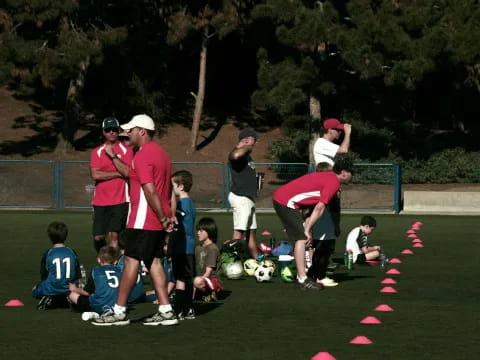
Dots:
pixel 436 309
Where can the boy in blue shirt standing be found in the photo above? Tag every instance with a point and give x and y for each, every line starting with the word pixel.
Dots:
pixel 182 245
pixel 59 268
pixel 101 289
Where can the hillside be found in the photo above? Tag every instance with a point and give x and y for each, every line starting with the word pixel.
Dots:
pixel 29 131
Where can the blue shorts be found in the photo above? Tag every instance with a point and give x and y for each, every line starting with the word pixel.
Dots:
pixel 46 287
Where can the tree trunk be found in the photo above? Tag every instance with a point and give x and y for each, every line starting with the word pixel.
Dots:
pixel 200 96
pixel 73 109
pixel 315 116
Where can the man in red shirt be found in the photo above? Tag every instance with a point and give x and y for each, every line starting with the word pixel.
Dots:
pixel 149 219
pixel 314 190
pixel 110 199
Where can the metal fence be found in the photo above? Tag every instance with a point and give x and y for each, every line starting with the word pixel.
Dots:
pixel 67 184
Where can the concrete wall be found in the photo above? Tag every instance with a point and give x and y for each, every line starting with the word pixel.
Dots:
pixel 441 202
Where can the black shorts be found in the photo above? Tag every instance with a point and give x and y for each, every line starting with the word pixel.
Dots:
pixel 83 304
pixel 361 259
pixel 183 266
pixel 109 218
pixel 144 245
pixel 292 221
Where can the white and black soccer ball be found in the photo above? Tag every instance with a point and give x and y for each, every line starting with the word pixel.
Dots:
pixel 263 273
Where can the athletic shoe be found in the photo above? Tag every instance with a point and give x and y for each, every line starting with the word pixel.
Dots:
pixel 327 282
pixel 45 303
pixel 384 260
pixel 332 266
pixel 166 318
pixel 190 315
pixel 309 284
pixel 110 318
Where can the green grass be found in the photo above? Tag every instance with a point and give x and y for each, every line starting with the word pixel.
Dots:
pixel 436 307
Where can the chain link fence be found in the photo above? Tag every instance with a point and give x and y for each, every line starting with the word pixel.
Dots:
pixel 68 185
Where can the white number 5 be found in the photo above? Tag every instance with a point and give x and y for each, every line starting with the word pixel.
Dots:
pixel 114 278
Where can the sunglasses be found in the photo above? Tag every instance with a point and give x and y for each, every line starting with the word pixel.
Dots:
pixel 111 129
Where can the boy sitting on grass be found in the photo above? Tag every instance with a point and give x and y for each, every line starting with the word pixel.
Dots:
pixel 357 242
pixel 207 260
pixel 101 289
pixel 59 268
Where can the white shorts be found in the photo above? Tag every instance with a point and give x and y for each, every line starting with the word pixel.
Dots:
pixel 243 212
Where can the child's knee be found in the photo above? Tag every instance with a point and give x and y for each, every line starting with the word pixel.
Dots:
pixel 199 282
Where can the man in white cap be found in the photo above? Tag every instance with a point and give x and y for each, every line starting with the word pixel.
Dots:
pixel 328 227
pixel 110 199
pixel 149 219
pixel 324 149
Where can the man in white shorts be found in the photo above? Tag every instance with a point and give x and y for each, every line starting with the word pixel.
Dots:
pixel 244 190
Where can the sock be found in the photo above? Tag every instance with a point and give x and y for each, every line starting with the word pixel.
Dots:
pixel 301 281
pixel 117 309
pixel 98 244
pixel 165 308
pixel 180 299
pixel 188 296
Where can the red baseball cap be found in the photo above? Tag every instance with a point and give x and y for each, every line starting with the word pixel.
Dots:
pixel 333 124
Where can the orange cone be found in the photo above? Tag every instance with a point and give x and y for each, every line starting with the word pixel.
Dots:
pixel 383 307
pixel 361 340
pixel 393 271
pixel 388 290
pixel 370 320
pixel 323 356
pixel 14 302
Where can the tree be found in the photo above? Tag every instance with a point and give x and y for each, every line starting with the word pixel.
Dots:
pixel 200 21
pixel 52 44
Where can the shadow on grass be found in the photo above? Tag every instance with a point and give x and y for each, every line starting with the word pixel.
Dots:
pixel 341 277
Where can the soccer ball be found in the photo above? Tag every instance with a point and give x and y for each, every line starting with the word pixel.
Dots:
pixel 226 259
pixel 250 266
pixel 263 273
pixel 269 263
pixel 288 274
pixel 234 270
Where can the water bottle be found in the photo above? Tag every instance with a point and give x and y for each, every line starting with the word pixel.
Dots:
pixel 83 279
pixel 349 259
pixel 308 261
pixel 272 243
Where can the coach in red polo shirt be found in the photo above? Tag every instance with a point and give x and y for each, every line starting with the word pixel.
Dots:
pixel 314 190
pixel 110 199
pixel 149 219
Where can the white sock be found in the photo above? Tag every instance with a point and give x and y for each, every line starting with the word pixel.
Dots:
pixel 301 280
pixel 117 309
pixel 165 308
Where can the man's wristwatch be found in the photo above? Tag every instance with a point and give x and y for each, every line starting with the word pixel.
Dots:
pixel 115 156
pixel 163 219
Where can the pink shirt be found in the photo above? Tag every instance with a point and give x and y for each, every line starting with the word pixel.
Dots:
pixel 113 191
pixel 150 164
pixel 308 190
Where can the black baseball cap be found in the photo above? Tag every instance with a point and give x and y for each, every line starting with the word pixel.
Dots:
pixel 110 122
pixel 247 132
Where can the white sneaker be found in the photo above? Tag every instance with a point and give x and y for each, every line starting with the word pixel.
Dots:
pixel 327 282
pixel 109 318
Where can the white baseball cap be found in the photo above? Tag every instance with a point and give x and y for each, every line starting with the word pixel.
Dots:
pixel 142 121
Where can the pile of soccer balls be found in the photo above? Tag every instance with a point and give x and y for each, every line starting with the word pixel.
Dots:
pixel 263 270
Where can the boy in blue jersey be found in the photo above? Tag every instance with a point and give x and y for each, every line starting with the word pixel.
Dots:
pixel 59 267
pixel 182 245
pixel 101 289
